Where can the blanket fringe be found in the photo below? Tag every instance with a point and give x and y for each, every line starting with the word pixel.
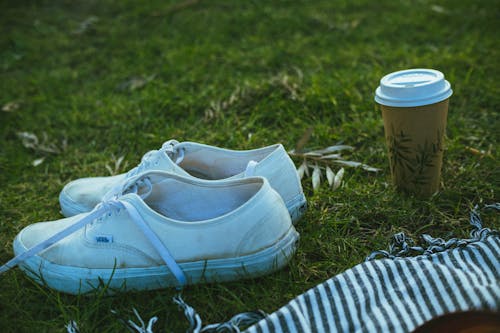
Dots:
pixel 72 327
pixel 132 326
pixel 402 245
pixel 233 325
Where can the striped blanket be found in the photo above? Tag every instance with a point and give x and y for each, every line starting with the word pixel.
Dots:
pixel 397 294
pixel 405 288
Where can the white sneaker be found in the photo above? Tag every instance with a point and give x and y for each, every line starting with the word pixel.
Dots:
pixel 164 230
pixel 196 160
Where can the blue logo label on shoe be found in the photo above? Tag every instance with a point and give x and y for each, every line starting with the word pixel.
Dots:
pixel 104 239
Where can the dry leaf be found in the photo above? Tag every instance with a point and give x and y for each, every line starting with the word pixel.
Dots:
pixel 117 161
pixel 369 168
pixel 38 161
pixel 331 157
pixel 312 154
pixel 332 149
pixel 302 170
pixel 316 177
pixel 135 83
pixel 31 141
pixel 338 179
pixel 11 106
pixel 217 107
pixel 330 175
pixel 354 164
pixel 109 169
pixel 480 152
pixel 308 174
pixel 439 9
pixel 85 25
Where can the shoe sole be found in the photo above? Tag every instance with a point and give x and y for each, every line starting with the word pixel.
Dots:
pixel 296 207
pixel 77 280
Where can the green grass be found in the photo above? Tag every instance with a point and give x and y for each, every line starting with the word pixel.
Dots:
pixel 291 65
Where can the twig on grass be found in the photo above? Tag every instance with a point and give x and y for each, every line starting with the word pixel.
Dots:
pixel 324 159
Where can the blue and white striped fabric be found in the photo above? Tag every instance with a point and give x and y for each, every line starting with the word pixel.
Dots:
pixel 396 295
pixel 399 294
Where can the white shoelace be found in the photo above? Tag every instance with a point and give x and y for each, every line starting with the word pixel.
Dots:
pixel 100 210
pixel 168 147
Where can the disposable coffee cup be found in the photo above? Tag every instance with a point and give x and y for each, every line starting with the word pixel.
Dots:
pixel 414 106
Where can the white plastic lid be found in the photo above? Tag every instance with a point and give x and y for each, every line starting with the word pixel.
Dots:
pixel 413 87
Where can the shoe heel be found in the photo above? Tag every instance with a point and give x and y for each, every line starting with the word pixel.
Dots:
pixel 297 208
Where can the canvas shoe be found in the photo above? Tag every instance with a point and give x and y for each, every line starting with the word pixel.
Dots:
pixel 196 160
pixel 162 230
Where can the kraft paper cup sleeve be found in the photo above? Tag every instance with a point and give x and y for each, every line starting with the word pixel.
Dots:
pixel 415 145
